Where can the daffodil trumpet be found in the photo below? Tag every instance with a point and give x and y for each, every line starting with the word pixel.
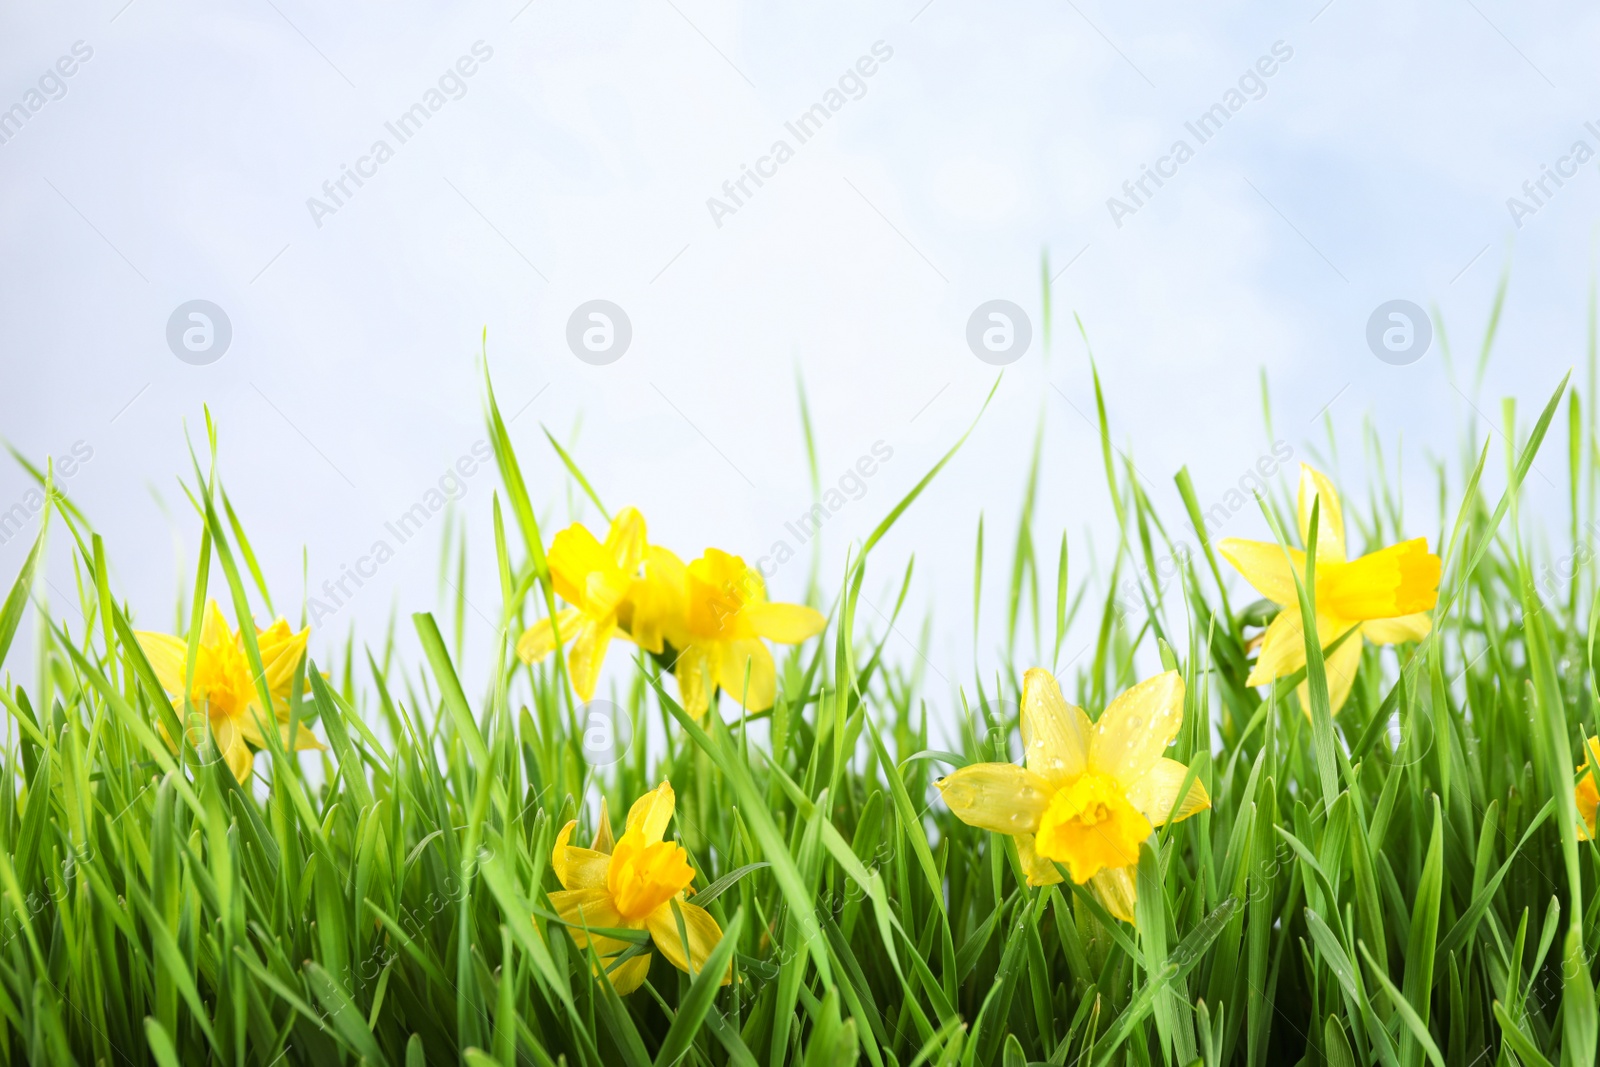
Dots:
pixel 1383 597
pixel 1090 792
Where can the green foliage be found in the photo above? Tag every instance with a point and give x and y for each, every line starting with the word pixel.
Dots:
pixel 1362 891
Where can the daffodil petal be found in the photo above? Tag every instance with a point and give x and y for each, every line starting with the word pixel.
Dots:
pixel 1283 649
pixel 1115 888
pixel 558 854
pixel 1315 486
pixel 1264 566
pixel 304 739
pixel 1055 734
pixel 758 693
pixel 787 624
pixel 1340 667
pixel 1039 871
pixel 605 589
pixel 574 555
pixel 659 600
pixel 630 974
pixel 603 841
pixel 168 656
pixel 281 655
pixel 699 927
pixel 1398 630
pixel 230 743
pixel 580 908
pixel 1399 580
pixel 539 640
pixel 625 541
pixel 696 676
pixel 577 868
pixel 1137 727
pixel 589 653
pixel 1156 791
pixel 214 628
pixel 1001 797
pixel 651 813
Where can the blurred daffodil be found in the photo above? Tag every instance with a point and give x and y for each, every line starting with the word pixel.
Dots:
pixel 1586 794
pixel 596 579
pixel 637 882
pixel 719 636
pixel 223 689
pixel 1091 792
pixel 1385 595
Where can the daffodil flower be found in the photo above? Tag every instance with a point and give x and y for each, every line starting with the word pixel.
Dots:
pixel 1091 792
pixel 1385 594
pixel 1587 796
pixel 595 579
pixel 224 690
pixel 637 882
pixel 720 634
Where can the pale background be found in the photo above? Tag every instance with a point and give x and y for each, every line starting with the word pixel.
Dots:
pixel 577 166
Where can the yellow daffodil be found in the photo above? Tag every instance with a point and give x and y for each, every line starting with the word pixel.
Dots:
pixel 602 582
pixel 1385 594
pixel 637 882
pixel 224 691
pixel 1587 796
pixel 1091 792
pixel 720 634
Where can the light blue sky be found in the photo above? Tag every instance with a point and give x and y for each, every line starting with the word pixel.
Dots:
pixel 576 164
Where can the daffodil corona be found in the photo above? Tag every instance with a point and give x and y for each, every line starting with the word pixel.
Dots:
pixel 223 689
pixel 637 882
pixel 1385 595
pixel 1091 792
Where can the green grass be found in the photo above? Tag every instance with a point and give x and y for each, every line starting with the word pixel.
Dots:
pixel 1398 885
